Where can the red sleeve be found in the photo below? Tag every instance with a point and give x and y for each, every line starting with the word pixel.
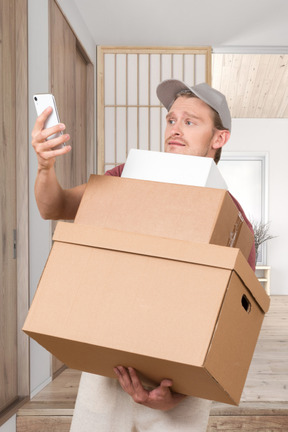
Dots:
pixel 116 172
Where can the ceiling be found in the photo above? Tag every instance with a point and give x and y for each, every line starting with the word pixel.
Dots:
pixel 186 22
pixel 255 84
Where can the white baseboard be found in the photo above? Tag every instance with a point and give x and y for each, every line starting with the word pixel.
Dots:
pixel 40 387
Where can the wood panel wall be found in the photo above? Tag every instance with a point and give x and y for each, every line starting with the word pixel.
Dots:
pixel 14 288
pixel 72 83
pixel 8 288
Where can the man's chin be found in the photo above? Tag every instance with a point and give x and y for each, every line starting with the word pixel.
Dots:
pixel 176 149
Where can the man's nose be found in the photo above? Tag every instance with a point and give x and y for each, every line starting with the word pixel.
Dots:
pixel 176 129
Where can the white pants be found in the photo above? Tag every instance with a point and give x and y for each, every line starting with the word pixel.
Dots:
pixel 102 406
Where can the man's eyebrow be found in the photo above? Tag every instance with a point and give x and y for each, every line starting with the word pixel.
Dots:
pixel 170 114
pixel 186 114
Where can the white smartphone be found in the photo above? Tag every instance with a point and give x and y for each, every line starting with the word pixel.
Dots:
pixel 43 101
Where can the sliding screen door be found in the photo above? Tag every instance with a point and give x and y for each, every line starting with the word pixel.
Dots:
pixel 129 114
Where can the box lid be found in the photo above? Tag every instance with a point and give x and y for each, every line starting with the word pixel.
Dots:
pixel 180 250
pixel 173 168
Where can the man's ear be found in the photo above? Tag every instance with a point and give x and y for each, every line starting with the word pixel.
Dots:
pixel 220 138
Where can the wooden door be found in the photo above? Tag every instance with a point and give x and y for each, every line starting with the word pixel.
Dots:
pixel 14 251
pixel 8 287
pixel 72 83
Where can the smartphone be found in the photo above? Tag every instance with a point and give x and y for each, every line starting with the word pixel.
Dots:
pixel 43 101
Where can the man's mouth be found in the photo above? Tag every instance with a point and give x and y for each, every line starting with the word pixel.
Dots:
pixel 176 143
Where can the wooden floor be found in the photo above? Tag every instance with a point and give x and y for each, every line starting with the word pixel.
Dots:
pixel 264 403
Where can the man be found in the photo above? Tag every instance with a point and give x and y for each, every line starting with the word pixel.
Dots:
pixel 199 124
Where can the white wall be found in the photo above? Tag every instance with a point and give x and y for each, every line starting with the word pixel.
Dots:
pixel 39 230
pixel 269 135
pixel 9 426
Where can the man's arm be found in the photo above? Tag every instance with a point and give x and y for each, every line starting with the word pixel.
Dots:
pixel 53 201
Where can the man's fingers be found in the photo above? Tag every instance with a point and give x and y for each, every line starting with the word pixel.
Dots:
pixel 44 115
pixel 39 132
pixel 136 382
pixel 131 384
pixel 134 377
pixel 54 153
pixel 40 121
pixel 49 145
pixel 43 134
pixel 124 379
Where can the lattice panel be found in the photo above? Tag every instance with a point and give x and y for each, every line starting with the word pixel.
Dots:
pixel 129 112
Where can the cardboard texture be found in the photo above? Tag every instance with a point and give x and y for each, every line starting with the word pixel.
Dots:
pixel 173 168
pixel 170 308
pixel 180 212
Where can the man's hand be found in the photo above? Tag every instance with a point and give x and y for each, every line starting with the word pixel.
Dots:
pixel 53 201
pixel 161 398
pixel 43 148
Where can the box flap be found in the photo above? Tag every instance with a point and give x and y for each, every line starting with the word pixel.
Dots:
pixel 189 213
pixel 141 244
pixel 180 250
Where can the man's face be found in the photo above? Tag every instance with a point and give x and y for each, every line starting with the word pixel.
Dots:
pixel 190 129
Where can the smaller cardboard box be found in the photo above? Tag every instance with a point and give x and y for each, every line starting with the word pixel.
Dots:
pixel 173 168
pixel 187 311
pixel 190 213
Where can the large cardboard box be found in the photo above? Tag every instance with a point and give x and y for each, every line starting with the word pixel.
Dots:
pixel 170 308
pixel 191 213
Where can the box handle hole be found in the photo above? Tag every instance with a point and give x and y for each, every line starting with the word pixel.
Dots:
pixel 246 303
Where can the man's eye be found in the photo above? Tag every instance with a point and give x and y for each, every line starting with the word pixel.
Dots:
pixel 171 121
pixel 189 122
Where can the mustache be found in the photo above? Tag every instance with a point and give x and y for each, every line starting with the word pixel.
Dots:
pixel 174 138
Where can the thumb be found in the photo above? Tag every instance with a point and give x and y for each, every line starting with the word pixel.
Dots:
pixel 166 383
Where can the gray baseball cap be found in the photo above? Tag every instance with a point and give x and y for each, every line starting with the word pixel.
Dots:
pixel 168 89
